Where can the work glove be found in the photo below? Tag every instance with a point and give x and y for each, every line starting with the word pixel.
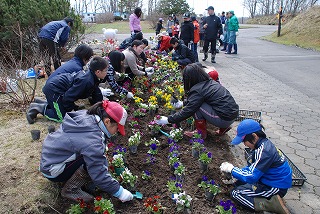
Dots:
pixel 226 167
pixel 149 71
pixel 125 196
pixel 129 95
pixel 177 104
pixel 162 121
pixel 106 92
pixel 237 33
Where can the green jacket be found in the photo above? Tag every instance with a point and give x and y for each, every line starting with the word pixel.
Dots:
pixel 233 24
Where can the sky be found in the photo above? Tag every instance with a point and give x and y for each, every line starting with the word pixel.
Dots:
pixel 219 6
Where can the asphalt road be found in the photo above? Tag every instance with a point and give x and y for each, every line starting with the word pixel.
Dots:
pixel 296 67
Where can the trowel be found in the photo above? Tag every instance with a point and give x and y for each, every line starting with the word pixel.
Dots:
pixel 138 195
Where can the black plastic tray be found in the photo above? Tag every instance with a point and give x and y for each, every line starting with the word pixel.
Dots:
pixel 298 177
pixel 247 114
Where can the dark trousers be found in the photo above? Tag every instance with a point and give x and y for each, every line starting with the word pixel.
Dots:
pixel 213 43
pixel 55 110
pixel 49 50
pixel 194 48
pixel 69 170
pixel 244 193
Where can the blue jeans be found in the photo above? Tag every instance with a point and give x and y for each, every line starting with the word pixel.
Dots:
pixel 226 35
pixel 233 38
pixel 194 48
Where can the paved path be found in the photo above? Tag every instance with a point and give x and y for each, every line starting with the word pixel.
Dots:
pixel 271 78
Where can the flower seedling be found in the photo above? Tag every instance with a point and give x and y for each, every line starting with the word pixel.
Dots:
pixel 182 201
pixel 103 206
pixel 176 134
pixel 205 157
pixel 77 208
pixel 117 161
pixel 153 205
pixel 174 186
pixel 134 140
pixel 179 169
pixel 226 207
pixel 128 178
pixel 209 185
pixel 146 175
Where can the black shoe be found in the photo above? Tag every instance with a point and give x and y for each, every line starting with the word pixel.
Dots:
pixel 205 57
pixel 213 59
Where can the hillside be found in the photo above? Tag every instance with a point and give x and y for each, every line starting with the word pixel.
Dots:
pixel 302 31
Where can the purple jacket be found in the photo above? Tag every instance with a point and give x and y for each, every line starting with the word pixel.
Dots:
pixel 134 22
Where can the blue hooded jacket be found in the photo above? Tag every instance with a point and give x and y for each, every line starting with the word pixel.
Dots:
pixel 56 31
pixel 73 65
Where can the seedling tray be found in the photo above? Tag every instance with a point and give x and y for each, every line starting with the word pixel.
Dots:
pixel 247 114
pixel 298 178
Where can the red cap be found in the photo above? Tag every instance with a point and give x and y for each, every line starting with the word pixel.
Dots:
pixel 214 75
pixel 116 112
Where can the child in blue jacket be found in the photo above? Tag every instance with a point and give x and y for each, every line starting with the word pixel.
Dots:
pixel 262 185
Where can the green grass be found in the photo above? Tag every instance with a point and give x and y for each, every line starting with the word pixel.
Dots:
pixel 122 26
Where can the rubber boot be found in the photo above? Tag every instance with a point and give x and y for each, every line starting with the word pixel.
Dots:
pixel 213 58
pixel 205 57
pixel 235 46
pixel 72 188
pixel 275 204
pixel 201 125
pixel 34 110
pixel 39 100
pixel 229 48
pixel 224 46
pixel 222 131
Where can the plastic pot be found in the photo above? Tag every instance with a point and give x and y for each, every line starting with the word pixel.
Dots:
pixel 35 134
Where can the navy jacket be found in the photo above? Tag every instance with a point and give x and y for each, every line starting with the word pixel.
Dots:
pixel 187 31
pixel 57 31
pixel 73 65
pixel 215 95
pixel 72 87
pixel 214 27
pixel 269 166
pixel 183 52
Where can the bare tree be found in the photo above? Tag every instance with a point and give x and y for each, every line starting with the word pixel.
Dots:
pixel 251 6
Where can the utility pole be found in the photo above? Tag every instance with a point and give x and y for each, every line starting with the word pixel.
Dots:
pixel 279 19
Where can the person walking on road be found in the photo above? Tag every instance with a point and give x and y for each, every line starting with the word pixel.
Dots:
pixel 53 35
pixel 233 27
pixel 213 27
pixel 261 185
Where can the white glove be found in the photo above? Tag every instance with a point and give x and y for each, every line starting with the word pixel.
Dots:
pixel 226 167
pixel 132 32
pixel 149 71
pixel 129 95
pixel 125 196
pixel 163 121
pixel 106 92
pixel 237 33
pixel 177 104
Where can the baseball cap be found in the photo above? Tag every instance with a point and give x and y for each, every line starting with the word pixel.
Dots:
pixel 247 126
pixel 210 8
pixel 186 15
pixel 116 112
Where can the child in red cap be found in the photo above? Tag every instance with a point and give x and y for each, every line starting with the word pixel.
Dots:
pixel 75 153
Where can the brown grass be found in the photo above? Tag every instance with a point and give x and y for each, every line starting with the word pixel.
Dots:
pixel 302 31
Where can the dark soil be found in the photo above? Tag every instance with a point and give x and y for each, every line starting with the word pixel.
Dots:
pixel 161 172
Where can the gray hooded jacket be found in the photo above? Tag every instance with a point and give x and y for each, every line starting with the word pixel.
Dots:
pixel 79 134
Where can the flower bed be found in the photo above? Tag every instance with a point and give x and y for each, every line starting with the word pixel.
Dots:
pixel 150 164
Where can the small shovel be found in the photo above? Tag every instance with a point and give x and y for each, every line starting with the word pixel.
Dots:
pixel 138 195
pixel 165 133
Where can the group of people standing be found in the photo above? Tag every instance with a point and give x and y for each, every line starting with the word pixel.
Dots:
pixel 74 154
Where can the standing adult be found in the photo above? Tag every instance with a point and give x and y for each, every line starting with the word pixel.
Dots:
pixel 170 26
pixel 223 21
pixel 159 26
pixel 233 27
pixel 196 37
pixel 53 35
pixel 134 21
pixel 213 27
pixel 186 29
pixel 226 33
pixel 201 32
